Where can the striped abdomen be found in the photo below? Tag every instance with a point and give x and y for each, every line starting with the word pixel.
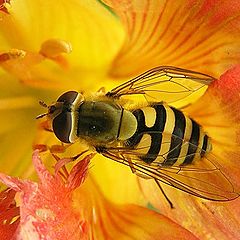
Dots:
pixel 165 135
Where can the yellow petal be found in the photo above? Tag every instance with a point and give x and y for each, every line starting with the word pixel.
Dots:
pixel 116 181
pixel 199 35
pixel 87 25
pixel 18 112
pixel 94 33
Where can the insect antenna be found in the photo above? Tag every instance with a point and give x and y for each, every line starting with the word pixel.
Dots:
pixel 41 115
pixel 43 104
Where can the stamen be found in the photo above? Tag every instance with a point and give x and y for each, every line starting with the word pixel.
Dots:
pixel 55 47
pixel 12 54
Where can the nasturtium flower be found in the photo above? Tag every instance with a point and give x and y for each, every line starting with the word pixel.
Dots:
pixel 54 209
pixel 49 47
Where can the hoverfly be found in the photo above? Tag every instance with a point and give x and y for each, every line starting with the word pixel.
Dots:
pixel 156 140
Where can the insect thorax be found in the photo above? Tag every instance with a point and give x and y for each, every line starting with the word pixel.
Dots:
pixel 104 121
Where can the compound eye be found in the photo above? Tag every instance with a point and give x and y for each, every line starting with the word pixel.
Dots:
pixel 62 126
pixel 68 97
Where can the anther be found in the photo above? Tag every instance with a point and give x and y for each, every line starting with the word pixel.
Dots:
pixel 12 54
pixel 54 47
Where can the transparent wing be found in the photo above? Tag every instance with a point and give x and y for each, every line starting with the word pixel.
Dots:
pixel 203 178
pixel 164 83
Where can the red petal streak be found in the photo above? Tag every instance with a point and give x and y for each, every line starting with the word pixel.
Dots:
pixel 227 89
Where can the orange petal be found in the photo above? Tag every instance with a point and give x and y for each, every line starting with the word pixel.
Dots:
pixel 114 221
pixel 200 35
pixel 218 111
pixel 134 222
pixel 205 219
pixel 221 120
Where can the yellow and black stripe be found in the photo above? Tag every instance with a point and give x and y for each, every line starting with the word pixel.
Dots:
pixel 166 136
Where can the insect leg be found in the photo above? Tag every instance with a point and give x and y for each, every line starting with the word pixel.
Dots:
pixel 45 125
pixel 147 177
pixel 58 148
pixel 101 90
pixel 61 162
pixel 131 166
pixel 60 166
pixel 130 163
pixel 164 194
pixel 40 147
